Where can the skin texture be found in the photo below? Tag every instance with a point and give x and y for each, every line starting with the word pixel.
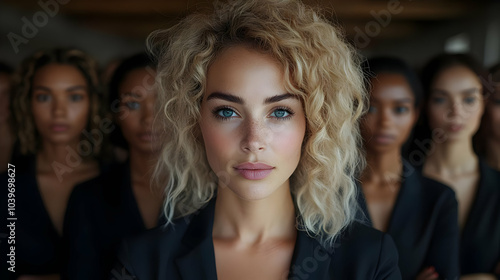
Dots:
pixel 60 98
pixel 60 105
pixel 254 228
pixel 136 122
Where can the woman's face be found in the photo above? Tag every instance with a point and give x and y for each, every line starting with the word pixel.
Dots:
pixel 455 103
pixel 252 128
pixel 60 103
pixel 136 118
pixel 391 115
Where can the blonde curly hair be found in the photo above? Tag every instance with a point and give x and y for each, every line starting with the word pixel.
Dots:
pixel 320 68
pixel 29 138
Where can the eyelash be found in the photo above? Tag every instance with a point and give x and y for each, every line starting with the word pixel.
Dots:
pixel 216 111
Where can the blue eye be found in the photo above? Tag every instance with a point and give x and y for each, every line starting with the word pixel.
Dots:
pixel 401 110
pixel 470 100
pixel 42 97
pixel 76 97
pixel 372 109
pixel 438 100
pixel 225 113
pixel 280 113
pixel 133 105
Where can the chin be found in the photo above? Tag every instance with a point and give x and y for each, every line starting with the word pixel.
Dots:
pixel 251 191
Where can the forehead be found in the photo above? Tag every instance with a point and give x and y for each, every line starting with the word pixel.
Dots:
pixel 58 73
pixel 391 87
pixel 246 72
pixel 138 81
pixel 455 79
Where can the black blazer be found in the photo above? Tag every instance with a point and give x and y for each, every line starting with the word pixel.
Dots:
pixel 186 251
pixel 100 213
pixel 424 226
pixel 38 246
pixel 480 240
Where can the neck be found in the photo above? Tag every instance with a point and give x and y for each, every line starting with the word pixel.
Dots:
pixel 141 167
pixel 254 222
pixel 455 156
pixel 493 153
pixel 383 167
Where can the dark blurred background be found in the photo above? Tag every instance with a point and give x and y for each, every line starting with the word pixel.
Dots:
pixel 110 29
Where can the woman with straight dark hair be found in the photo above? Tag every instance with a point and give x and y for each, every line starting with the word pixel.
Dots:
pixel 454 105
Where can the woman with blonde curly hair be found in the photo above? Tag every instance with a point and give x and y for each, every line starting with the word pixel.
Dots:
pixel 56 110
pixel 260 101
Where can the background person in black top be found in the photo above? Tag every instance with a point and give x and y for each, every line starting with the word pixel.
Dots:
pixel 120 202
pixel 454 105
pixel 56 99
pixel 419 213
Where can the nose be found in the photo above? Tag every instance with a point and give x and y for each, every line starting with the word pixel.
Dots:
pixel 384 118
pixel 456 111
pixel 147 113
pixel 255 136
pixel 59 107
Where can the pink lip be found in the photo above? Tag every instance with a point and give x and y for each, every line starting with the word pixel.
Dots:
pixel 59 127
pixel 148 136
pixel 455 127
pixel 384 138
pixel 253 171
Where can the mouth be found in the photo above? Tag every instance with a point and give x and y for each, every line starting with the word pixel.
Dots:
pixel 253 171
pixel 384 139
pixel 455 127
pixel 146 136
pixel 59 127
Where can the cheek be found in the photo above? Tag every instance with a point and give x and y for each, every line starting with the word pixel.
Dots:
pixel 287 141
pixel 367 126
pixel 79 114
pixel 436 116
pixel 405 125
pixel 129 123
pixel 219 142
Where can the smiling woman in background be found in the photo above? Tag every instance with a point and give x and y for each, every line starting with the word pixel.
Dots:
pixel 261 101
pixel 454 105
pixel 56 99
pixel 120 202
pixel 420 214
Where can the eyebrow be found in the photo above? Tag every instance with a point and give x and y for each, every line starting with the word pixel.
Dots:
pixel 126 94
pixel 468 91
pixel 73 88
pixel 238 100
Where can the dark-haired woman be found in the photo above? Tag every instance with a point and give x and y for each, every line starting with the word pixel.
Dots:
pixel 419 213
pixel 454 104
pixel 55 103
pixel 120 202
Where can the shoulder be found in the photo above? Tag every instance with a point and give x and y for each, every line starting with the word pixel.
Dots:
pixel 144 253
pixel 365 252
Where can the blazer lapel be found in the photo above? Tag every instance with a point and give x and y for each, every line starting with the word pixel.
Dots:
pixel 310 259
pixel 198 262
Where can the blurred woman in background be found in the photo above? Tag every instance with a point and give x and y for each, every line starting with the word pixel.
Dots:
pixel 454 105
pixel 419 213
pixel 120 202
pixel 56 109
